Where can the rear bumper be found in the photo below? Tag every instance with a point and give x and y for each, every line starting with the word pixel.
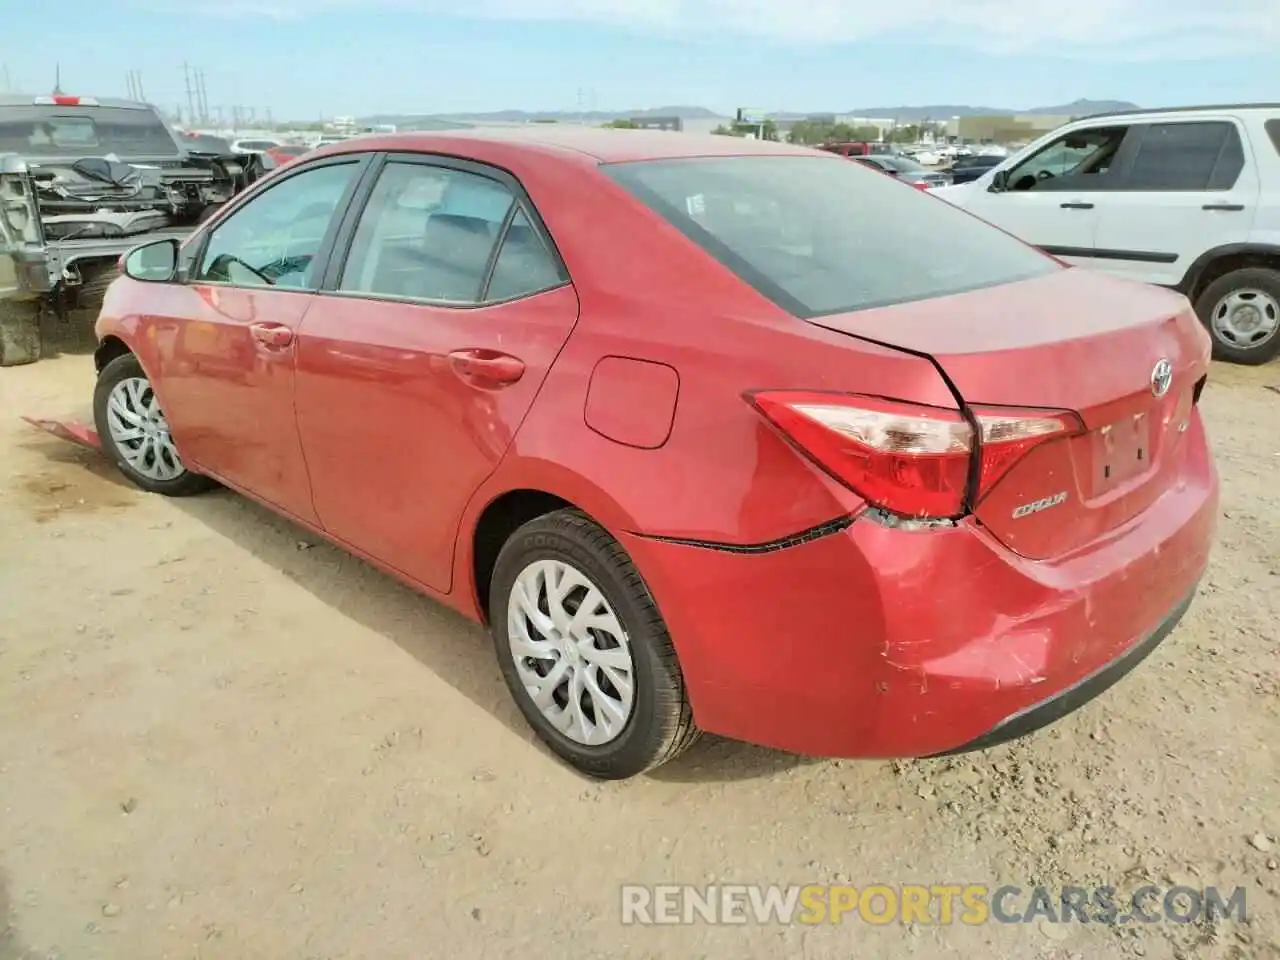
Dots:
pixel 1074 697
pixel 883 642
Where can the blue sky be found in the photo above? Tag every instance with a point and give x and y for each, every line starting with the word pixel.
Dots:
pixel 306 58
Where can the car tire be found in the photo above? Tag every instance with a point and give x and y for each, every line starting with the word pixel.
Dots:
pixel 1252 287
pixel 20 340
pixel 658 724
pixel 124 403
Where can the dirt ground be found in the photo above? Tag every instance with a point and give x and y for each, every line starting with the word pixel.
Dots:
pixel 219 739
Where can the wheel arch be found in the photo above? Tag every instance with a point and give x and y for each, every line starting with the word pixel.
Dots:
pixel 520 492
pixel 108 349
pixel 1222 260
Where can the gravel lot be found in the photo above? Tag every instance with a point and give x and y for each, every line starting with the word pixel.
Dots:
pixel 219 739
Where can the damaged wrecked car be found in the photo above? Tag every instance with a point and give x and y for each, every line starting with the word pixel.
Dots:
pixel 82 181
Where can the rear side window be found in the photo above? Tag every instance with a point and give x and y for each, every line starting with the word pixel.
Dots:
pixel 427 233
pixel 446 236
pixel 1273 131
pixel 524 263
pixel 818 235
pixel 1202 155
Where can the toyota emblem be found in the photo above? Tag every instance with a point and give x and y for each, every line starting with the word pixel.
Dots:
pixel 1161 377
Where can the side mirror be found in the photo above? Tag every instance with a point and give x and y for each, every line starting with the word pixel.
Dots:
pixel 155 262
pixel 999 181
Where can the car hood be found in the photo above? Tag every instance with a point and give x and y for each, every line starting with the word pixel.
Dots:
pixel 958 194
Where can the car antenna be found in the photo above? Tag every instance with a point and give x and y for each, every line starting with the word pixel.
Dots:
pixel 57 79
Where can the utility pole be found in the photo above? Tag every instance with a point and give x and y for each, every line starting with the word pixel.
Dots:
pixel 8 84
pixel 203 96
pixel 137 77
pixel 191 102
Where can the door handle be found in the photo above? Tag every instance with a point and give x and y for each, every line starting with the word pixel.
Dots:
pixel 271 334
pixel 1227 207
pixel 486 368
pixel 1076 205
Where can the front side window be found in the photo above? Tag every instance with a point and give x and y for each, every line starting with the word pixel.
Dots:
pixel 275 238
pixel 819 235
pixel 1187 156
pixel 1079 160
pixel 427 233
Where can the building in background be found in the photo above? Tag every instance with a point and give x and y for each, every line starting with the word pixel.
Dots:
pixel 1018 128
pixel 658 123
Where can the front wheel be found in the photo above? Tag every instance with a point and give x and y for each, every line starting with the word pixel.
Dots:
pixel 135 433
pixel 1242 311
pixel 584 650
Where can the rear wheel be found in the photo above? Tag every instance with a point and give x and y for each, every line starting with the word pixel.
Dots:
pixel 135 432
pixel 584 650
pixel 1242 311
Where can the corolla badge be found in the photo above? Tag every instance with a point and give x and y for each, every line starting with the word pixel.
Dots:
pixel 1037 505
pixel 1161 377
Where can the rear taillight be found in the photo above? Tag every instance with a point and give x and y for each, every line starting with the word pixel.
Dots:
pixel 906 458
pixel 1008 435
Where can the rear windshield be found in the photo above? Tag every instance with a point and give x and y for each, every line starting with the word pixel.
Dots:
pixel 43 131
pixel 820 236
pixel 901 164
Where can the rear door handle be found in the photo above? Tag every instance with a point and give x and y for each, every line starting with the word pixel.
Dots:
pixel 271 334
pixel 1076 205
pixel 1226 207
pixel 486 368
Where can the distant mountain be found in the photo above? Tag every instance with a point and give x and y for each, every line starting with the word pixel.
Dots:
pixel 1080 108
pixel 945 111
pixel 904 114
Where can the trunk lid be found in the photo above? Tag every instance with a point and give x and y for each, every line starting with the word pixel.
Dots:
pixel 1076 340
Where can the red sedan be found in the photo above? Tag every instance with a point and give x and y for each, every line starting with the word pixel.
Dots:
pixel 712 434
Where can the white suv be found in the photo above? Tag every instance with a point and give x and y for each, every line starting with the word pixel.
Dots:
pixel 1186 198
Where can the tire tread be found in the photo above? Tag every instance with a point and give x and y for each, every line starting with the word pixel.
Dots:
pixel 673 712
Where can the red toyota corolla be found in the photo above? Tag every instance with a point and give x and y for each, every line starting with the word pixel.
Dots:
pixel 713 434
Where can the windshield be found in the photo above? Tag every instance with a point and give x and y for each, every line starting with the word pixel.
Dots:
pixel 42 131
pixel 818 235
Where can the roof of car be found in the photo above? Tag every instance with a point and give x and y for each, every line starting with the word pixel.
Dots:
pixel 1203 108
pixel 600 144
pixel 42 100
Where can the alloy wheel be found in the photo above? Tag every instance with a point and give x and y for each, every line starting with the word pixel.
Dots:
pixel 140 432
pixel 571 653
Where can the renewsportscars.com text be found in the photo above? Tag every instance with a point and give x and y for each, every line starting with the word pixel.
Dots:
pixel 942 904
